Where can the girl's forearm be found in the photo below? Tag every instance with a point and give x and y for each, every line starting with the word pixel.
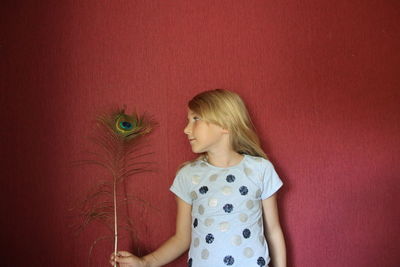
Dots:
pixel 277 248
pixel 167 252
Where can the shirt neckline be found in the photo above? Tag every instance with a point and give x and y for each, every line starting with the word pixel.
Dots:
pixel 229 167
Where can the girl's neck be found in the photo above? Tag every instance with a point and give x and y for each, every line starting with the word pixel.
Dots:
pixel 224 160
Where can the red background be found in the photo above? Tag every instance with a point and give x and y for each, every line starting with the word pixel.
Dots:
pixel 321 80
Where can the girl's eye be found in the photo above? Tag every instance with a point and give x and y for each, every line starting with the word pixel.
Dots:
pixel 194 118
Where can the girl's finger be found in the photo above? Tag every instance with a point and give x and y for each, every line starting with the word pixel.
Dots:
pixel 124 253
pixel 112 257
pixel 123 260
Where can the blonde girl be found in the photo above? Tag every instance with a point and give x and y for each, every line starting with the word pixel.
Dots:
pixel 227 211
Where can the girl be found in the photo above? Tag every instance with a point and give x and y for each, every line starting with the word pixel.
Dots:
pixel 226 197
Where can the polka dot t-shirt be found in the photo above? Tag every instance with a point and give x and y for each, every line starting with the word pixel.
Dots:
pixel 227 224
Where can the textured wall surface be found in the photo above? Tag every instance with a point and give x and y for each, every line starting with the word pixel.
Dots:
pixel 321 80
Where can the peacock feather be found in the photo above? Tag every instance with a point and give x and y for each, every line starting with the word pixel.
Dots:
pixel 119 140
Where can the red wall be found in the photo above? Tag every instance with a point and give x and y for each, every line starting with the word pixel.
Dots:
pixel 321 79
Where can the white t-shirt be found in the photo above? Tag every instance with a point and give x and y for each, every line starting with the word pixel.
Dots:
pixel 227 224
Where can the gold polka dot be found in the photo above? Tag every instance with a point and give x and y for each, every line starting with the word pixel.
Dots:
pixel 227 190
pixel 195 179
pixel 201 209
pixel 196 242
pixel 258 193
pixel 213 177
pixel 203 164
pixel 260 222
pixel 212 202
pixel 193 164
pixel 248 252
pixel 258 159
pixel 224 226
pixel 205 254
pixel 193 195
pixel 237 240
pixel 256 203
pixel 250 204
pixel 261 239
pixel 248 171
pixel 209 221
pixel 243 217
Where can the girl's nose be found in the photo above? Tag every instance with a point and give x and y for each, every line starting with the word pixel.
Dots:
pixel 186 130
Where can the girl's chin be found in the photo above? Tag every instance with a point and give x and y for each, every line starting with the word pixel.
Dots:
pixel 197 151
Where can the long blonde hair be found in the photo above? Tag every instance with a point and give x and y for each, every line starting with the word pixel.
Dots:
pixel 227 110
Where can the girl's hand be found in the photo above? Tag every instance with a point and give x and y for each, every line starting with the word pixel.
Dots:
pixel 126 259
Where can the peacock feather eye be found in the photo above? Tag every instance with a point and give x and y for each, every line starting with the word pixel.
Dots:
pixel 125 124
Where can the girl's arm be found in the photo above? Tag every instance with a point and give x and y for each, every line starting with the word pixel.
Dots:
pixel 178 243
pixel 273 232
pixel 170 249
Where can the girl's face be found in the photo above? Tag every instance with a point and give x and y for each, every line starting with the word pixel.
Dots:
pixel 203 136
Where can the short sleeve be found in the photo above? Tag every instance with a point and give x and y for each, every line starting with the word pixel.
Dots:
pixel 271 181
pixel 181 187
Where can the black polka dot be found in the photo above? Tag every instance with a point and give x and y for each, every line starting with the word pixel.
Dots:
pixel 246 233
pixel 230 178
pixel 260 261
pixel 228 208
pixel 229 260
pixel 209 238
pixel 203 190
pixel 190 261
pixel 195 223
pixel 243 190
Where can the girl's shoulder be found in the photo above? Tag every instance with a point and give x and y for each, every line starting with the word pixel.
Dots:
pixel 190 166
pixel 259 163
